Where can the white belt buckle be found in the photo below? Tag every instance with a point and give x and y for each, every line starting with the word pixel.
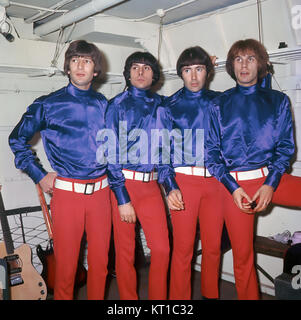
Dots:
pixel 146 176
pixel 89 188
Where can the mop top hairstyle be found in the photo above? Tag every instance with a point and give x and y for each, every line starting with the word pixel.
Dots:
pixel 145 58
pixel 82 48
pixel 193 56
pixel 245 47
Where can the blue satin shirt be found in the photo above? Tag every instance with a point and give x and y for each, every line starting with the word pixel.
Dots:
pixel 249 128
pixel 68 121
pixel 183 114
pixel 135 111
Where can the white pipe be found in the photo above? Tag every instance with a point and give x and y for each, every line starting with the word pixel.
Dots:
pixel 34 7
pixel 93 7
pixel 41 14
pixel 164 11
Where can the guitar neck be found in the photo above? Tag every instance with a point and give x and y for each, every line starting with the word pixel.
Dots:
pixel 5 228
pixel 45 211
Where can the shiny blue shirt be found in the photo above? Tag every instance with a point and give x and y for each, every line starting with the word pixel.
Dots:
pixel 248 128
pixel 183 114
pixel 68 121
pixel 137 110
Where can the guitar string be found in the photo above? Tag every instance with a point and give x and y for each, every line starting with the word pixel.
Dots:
pixel 35 233
pixel 32 232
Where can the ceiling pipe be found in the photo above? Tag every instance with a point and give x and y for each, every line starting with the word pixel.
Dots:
pixel 41 14
pixel 73 16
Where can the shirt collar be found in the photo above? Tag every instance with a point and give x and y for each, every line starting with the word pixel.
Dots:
pixel 74 91
pixel 247 90
pixel 191 95
pixel 141 93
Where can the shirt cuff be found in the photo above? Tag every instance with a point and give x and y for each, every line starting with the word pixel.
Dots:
pixel 122 195
pixel 229 182
pixel 35 172
pixel 273 179
pixel 170 184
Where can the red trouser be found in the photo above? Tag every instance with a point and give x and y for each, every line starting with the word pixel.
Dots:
pixel 200 195
pixel 240 229
pixel 72 214
pixel 147 201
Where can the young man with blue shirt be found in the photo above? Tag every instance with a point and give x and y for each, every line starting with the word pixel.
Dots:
pixel 68 121
pixel 250 144
pixel 134 177
pixel 185 112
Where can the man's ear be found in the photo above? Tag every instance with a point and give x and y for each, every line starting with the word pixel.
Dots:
pixel 95 74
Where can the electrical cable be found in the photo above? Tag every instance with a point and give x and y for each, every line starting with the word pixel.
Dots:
pixel 260 36
pixel 160 37
pixel 35 7
pixel 43 15
pixel 259 18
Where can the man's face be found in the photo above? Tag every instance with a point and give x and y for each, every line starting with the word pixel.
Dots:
pixel 81 72
pixel 246 69
pixel 141 76
pixel 194 77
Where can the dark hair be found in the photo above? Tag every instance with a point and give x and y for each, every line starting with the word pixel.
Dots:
pixel 244 46
pixel 82 48
pixel 194 55
pixel 145 58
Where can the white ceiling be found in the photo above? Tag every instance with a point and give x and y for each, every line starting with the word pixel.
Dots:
pixel 132 9
pixel 33 14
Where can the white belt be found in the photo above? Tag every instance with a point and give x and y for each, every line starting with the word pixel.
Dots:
pixel 86 188
pixel 251 174
pixel 194 171
pixel 140 176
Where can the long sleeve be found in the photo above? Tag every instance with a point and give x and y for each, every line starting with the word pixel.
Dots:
pixel 69 120
pixel 132 116
pixel 183 115
pixel 284 145
pixel 213 158
pixel 115 175
pixel 166 173
pixel 249 128
pixel 32 121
